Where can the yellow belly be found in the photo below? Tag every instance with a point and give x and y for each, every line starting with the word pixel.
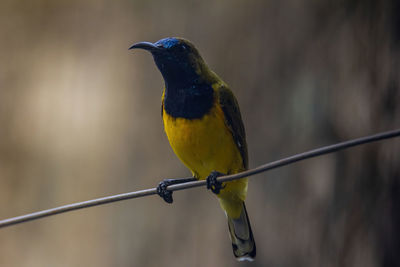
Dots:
pixel 205 145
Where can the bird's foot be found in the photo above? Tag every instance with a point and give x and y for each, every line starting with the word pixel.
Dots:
pixel 213 183
pixel 163 192
pixel 166 194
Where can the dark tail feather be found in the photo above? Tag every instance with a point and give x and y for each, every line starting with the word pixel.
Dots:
pixel 244 247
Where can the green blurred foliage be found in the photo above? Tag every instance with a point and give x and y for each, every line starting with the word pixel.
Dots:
pixel 80 118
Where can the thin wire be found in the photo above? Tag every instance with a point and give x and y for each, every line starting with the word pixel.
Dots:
pixel 226 178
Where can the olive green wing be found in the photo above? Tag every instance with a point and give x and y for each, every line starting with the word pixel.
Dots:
pixel 233 121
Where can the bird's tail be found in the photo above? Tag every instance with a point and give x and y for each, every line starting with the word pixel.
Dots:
pixel 244 247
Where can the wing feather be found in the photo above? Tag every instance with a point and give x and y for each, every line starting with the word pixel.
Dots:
pixel 233 121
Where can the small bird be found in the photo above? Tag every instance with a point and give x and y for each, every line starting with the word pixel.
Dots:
pixel 205 130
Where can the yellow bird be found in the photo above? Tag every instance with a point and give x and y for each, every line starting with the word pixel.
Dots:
pixel 204 127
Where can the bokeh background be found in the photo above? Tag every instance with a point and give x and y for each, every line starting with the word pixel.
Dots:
pixel 80 119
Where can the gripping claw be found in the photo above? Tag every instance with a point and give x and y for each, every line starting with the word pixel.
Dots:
pixel 166 194
pixel 213 183
pixel 163 192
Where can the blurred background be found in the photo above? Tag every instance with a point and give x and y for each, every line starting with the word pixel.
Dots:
pixel 80 119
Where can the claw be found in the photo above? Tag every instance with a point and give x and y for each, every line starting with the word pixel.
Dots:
pixel 163 192
pixel 213 183
pixel 166 194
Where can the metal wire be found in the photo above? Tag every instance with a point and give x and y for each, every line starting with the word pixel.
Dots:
pixel 248 173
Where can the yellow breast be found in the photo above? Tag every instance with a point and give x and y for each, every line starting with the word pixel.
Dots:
pixel 204 144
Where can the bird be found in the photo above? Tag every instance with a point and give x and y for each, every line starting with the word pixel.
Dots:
pixel 203 124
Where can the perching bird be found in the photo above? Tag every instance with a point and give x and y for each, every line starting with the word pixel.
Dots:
pixel 204 127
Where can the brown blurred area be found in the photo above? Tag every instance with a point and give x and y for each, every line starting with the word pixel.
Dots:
pixel 80 119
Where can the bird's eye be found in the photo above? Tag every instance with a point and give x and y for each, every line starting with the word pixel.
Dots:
pixel 183 48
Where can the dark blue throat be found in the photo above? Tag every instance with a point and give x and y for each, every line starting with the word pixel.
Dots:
pixel 186 93
pixel 188 101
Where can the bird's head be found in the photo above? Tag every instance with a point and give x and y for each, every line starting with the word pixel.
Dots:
pixel 176 58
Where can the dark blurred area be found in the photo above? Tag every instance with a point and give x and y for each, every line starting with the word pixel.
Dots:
pixel 80 119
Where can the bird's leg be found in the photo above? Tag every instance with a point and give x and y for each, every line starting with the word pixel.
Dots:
pixel 213 183
pixel 166 194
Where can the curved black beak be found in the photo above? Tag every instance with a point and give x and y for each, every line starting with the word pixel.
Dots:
pixel 146 46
